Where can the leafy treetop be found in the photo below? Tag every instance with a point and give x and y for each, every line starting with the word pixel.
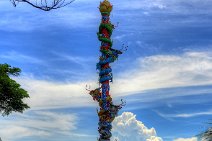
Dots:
pixel 11 94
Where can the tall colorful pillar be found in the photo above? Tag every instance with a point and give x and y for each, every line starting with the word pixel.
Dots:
pixel 108 111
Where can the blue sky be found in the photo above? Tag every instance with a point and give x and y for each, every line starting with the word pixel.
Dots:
pixel 165 76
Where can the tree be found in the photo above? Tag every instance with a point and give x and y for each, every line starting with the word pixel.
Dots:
pixel 45 5
pixel 207 135
pixel 11 94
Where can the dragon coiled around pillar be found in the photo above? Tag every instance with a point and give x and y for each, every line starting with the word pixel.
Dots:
pixel 108 111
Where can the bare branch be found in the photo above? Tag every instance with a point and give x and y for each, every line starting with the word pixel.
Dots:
pixel 44 4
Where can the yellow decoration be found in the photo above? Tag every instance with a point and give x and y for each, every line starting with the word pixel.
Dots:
pixel 105 6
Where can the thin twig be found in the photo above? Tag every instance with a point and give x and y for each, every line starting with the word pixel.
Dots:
pixel 44 4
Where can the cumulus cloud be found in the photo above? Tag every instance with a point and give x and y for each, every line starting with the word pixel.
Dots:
pixel 127 128
pixel 186 139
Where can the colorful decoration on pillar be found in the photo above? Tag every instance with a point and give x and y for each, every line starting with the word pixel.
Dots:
pixel 108 111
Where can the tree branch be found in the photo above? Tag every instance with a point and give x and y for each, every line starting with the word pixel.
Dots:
pixel 43 4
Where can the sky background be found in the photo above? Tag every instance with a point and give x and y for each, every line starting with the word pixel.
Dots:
pixel 165 76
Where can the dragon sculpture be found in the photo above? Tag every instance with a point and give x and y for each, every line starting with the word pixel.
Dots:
pixel 108 111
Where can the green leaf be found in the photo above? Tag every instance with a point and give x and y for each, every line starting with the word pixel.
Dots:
pixel 11 93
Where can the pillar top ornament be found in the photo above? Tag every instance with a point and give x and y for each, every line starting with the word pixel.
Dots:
pixel 105 7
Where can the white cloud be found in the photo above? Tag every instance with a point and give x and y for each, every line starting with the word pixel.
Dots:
pixel 194 114
pixel 37 124
pixel 137 4
pixel 186 139
pixel 165 71
pixel 122 36
pixel 173 6
pixel 83 61
pixel 26 18
pixel 127 128
pixel 18 57
pixel 184 115
pixel 84 14
pixel 9 23
pixel 9 132
pixel 45 94
pixel 160 71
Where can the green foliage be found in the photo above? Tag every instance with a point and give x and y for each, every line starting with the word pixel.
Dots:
pixel 11 94
pixel 207 135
